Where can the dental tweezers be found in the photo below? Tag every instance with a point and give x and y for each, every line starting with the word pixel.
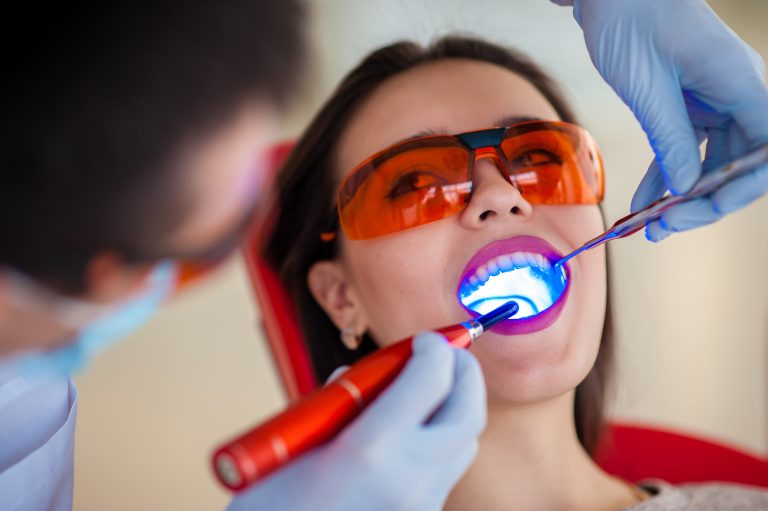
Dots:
pixel 708 183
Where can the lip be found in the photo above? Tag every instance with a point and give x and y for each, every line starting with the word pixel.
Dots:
pixel 508 246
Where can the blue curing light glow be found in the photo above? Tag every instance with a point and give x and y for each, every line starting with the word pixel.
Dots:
pixel 534 288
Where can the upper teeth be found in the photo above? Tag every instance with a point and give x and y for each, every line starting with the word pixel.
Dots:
pixel 501 264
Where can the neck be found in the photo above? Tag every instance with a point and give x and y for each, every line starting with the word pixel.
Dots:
pixel 530 458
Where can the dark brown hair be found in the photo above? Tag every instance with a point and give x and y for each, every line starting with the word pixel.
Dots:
pixel 307 187
pixel 99 99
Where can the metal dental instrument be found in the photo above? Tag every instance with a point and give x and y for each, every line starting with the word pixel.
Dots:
pixel 708 183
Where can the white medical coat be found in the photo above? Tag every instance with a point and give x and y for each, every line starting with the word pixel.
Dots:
pixel 37 441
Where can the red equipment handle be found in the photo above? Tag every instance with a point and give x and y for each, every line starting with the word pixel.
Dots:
pixel 317 417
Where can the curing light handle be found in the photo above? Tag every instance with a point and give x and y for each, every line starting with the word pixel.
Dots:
pixel 320 415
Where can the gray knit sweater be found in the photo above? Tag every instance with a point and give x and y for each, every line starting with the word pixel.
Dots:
pixel 702 497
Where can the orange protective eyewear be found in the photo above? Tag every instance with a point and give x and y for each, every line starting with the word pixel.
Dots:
pixel 430 178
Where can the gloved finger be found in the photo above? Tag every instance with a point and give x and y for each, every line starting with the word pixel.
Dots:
pixel 689 215
pixel 664 118
pixel 443 443
pixel 707 210
pixel 655 232
pixel 336 373
pixel 683 217
pixel 417 392
pixel 719 148
pixel 464 411
pixel 462 417
pixel 441 447
pixel 751 111
pixel 757 61
pixel 651 188
pixel 741 191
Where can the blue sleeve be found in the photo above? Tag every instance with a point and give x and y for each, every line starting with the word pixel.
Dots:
pixel 37 431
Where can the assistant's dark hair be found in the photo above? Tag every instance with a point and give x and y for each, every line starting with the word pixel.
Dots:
pixel 307 189
pixel 98 99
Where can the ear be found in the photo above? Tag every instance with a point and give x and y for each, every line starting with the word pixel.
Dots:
pixel 109 278
pixel 332 290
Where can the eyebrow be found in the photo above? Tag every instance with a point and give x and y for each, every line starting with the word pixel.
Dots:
pixel 501 122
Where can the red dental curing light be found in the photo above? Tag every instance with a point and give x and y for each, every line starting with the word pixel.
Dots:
pixel 320 415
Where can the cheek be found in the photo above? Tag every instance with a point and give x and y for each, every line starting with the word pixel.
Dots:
pixel 590 282
pixel 576 224
pixel 591 303
pixel 583 325
pixel 394 278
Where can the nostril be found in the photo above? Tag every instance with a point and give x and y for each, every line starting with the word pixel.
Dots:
pixel 515 210
pixel 485 214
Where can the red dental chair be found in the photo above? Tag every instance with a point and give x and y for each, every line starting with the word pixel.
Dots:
pixel 631 451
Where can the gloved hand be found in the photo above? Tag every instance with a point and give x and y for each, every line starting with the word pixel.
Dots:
pixel 687 77
pixel 406 451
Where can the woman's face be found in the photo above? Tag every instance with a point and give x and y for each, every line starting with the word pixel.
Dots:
pixel 402 283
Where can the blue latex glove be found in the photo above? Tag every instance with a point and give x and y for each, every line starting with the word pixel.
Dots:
pixel 405 452
pixel 687 77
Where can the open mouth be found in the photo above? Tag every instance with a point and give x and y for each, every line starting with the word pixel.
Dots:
pixel 520 269
pixel 527 278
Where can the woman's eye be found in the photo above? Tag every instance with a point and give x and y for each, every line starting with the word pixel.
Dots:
pixel 413 181
pixel 536 157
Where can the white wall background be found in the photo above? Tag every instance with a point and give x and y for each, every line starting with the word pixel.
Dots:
pixel 692 312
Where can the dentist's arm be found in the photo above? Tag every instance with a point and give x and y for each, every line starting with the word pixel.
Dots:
pixel 687 77
pixel 406 451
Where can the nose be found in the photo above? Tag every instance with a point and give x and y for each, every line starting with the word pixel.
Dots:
pixel 494 198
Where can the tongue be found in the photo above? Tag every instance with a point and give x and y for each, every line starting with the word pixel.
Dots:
pixel 532 288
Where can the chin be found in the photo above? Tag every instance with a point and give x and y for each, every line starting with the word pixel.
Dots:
pixel 544 365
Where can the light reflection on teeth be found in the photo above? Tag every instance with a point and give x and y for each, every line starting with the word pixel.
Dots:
pixel 505 262
pixel 528 278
